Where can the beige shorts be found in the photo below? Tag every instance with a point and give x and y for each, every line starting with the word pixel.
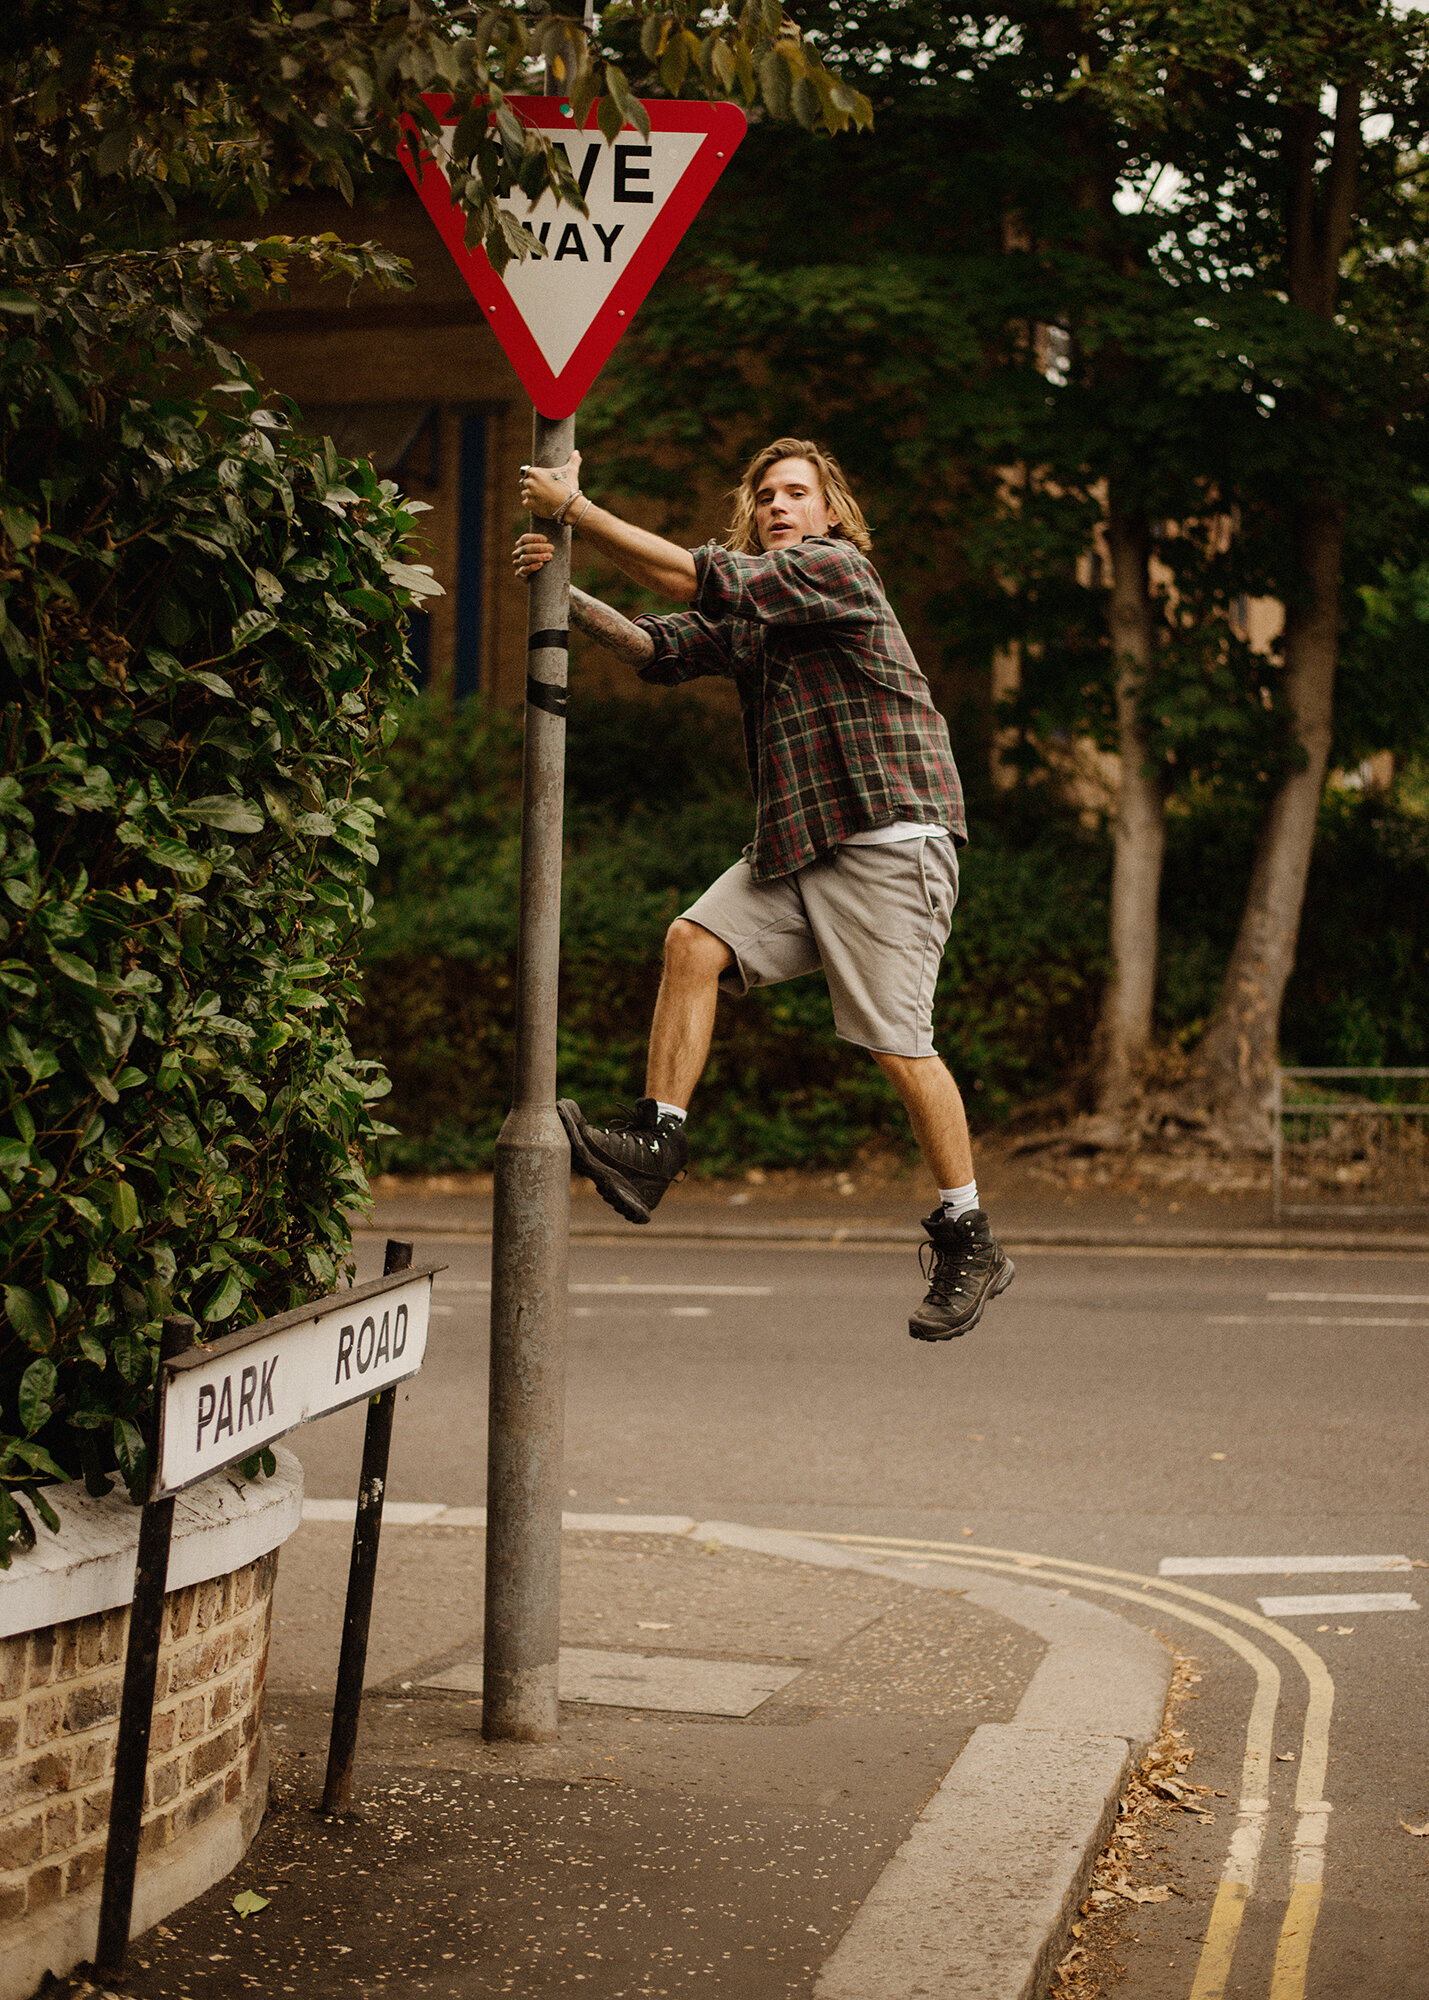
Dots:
pixel 875 919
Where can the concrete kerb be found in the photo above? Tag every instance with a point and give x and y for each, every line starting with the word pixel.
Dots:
pixel 978 1901
pixel 820 1233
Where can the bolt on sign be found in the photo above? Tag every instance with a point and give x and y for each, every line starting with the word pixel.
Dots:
pixel 229 1399
pixel 559 316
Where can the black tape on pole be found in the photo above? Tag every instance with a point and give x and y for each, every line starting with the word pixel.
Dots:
pixel 540 642
pixel 544 694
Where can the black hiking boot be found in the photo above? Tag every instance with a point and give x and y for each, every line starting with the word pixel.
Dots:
pixel 631 1162
pixel 966 1266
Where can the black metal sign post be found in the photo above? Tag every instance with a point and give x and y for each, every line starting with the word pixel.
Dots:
pixel 237 1388
pixel 361 1577
pixel 136 1707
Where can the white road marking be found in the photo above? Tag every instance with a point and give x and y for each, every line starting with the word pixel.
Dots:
pixel 1275 1565
pixel 1316 1607
pixel 1303 1319
pixel 1349 1298
pixel 642 1312
pixel 695 1291
pixel 1238 1875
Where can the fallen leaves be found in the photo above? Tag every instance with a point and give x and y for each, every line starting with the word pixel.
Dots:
pixel 1419 1832
pixel 248 1902
pixel 1187 1798
pixel 1067 1969
pixel 1159 1783
pixel 1285 1756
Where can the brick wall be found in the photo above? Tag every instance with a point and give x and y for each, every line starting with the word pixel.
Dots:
pixel 59 1718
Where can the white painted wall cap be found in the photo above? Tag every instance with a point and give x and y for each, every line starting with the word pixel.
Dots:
pixel 89 1566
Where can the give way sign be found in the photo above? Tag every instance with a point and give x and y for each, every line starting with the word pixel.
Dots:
pixel 559 316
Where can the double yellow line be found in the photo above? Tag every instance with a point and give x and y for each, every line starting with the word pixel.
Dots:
pixel 1242 1864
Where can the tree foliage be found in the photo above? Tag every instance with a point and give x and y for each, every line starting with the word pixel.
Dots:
pixel 120 117
pixel 1082 280
pixel 1056 171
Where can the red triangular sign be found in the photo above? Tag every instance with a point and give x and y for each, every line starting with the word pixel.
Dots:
pixel 559 316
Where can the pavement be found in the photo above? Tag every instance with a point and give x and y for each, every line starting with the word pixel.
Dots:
pixel 786 1766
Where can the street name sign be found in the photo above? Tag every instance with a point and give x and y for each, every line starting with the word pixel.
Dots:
pixel 220 1403
pixel 559 316
pixel 236 1395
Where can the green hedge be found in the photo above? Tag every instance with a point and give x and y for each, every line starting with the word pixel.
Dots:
pixel 200 651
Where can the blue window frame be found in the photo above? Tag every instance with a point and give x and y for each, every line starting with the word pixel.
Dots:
pixel 471 557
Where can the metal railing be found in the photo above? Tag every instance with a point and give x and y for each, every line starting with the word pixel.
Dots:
pixel 1350 1142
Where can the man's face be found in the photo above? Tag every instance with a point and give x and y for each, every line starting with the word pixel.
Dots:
pixel 789 504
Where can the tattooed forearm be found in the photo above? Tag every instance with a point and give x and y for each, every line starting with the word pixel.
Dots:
pixel 609 629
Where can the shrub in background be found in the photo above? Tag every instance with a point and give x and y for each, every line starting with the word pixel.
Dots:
pixel 657 805
pixel 201 645
pixel 1357 996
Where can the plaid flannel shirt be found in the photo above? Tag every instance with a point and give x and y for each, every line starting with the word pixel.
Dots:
pixel 839 725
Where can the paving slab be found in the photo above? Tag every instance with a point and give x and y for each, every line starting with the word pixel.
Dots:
pixel 643 1680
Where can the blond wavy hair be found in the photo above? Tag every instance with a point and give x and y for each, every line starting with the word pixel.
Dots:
pixel 743 535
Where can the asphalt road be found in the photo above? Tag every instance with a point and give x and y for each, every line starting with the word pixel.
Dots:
pixel 1113 1412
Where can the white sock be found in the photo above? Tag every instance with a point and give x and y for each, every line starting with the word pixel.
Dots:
pixel 677 1112
pixel 958 1201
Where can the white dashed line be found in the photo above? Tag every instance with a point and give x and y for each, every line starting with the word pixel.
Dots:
pixel 1276 1565
pixel 1318 1607
pixel 1303 1319
pixel 1348 1298
pixel 635 1291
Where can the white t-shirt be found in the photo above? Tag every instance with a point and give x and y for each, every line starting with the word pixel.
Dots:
pixel 901 829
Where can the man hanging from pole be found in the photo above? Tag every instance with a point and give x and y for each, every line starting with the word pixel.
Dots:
pixel 859 815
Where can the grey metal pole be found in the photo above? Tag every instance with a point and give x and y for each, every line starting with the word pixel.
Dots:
pixel 531 1220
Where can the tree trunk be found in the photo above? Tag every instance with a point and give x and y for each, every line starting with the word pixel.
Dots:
pixel 1238 1053
pixel 1237 1056
pixel 1124 1029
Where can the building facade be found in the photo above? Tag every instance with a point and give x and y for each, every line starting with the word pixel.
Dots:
pixel 415 380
